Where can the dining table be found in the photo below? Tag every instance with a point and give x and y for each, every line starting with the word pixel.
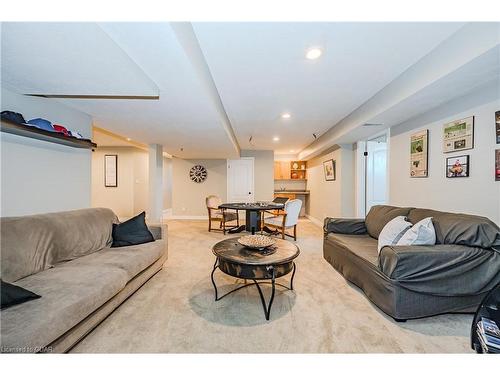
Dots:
pixel 252 214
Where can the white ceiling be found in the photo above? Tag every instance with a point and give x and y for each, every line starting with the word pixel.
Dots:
pixel 68 58
pixel 104 139
pixel 259 70
pixel 183 117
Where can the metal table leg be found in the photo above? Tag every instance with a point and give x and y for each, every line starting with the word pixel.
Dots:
pixel 267 309
pixel 265 306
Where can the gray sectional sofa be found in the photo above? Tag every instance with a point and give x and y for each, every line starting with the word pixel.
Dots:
pixel 409 282
pixel 66 258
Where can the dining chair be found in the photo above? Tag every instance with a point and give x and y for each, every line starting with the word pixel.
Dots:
pixel 222 216
pixel 286 219
pixel 279 200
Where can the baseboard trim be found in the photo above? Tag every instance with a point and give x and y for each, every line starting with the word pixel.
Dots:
pixel 187 217
pixel 315 221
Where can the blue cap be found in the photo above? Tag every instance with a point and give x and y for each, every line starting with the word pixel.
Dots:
pixel 42 124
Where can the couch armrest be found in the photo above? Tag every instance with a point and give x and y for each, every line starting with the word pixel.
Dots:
pixel 446 270
pixel 400 262
pixel 344 226
pixel 159 231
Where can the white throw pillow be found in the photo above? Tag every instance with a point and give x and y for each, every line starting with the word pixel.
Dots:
pixel 392 232
pixel 422 233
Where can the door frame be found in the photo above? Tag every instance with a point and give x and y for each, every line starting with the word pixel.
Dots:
pixel 228 161
pixel 361 171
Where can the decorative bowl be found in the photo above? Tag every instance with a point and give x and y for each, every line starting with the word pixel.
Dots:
pixel 256 242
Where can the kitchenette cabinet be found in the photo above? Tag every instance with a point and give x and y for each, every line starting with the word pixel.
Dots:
pixel 290 170
pixel 290 181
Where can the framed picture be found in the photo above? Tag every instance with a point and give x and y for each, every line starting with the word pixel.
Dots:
pixel 329 169
pixel 458 135
pixel 419 154
pixel 497 165
pixel 497 124
pixel 111 170
pixel 457 166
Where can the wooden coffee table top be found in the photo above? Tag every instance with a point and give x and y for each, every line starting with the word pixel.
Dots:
pixel 232 251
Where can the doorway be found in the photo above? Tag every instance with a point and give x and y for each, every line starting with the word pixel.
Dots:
pixel 375 172
pixel 240 180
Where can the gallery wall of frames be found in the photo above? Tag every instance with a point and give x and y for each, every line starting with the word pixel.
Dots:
pixel 457 137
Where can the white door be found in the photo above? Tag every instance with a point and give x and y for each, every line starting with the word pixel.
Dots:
pixel 376 172
pixel 240 183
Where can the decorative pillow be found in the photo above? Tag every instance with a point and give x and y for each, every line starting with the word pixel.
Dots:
pixel 392 232
pixel 132 232
pixel 422 233
pixel 380 215
pixel 14 295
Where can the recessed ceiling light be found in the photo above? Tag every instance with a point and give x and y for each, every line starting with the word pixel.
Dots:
pixel 292 151
pixel 276 139
pixel 286 115
pixel 129 139
pixel 313 53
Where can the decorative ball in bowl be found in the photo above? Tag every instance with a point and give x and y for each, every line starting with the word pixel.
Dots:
pixel 256 242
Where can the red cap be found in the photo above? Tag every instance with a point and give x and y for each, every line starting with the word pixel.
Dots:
pixel 61 129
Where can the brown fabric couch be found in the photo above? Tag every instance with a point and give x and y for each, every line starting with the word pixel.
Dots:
pixel 409 282
pixel 66 258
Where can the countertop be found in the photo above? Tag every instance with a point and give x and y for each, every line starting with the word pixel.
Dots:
pixel 298 192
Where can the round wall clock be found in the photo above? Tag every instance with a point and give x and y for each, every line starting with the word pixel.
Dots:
pixel 198 173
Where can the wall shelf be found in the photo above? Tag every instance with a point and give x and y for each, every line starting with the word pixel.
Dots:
pixel 44 135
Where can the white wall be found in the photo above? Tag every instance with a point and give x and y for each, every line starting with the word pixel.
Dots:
pixel 290 185
pixel 188 197
pixel 130 197
pixel 37 176
pixel 478 194
pixel 263 173
pixel 331 198
pixel 167 183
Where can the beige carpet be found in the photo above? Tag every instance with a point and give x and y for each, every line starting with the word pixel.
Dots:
pixel 175 311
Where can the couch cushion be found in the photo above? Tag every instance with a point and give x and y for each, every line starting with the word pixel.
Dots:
pixel 34 243
pixel 69 294
pixel 460 229
pixel 362 245
pixel 131 259
pixel 379 216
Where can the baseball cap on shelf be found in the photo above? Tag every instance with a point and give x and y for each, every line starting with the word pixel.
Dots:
pixel 75 134
pixel 13 116
pixel 61 129
pixel 42 124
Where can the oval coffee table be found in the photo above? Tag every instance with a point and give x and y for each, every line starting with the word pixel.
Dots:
pixel 259 266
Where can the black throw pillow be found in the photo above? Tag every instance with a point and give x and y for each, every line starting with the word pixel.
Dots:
pixel 14 295
pixel 132 232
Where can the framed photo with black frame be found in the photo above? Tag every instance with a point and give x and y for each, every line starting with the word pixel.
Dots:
pixel 497 125
pixel 329 170
pixel 110 170
pixel 497 165
pixel 458 166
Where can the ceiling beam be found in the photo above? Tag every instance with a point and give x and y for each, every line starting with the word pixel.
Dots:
pixel 142 146
pixel 469 42
pixel 189 43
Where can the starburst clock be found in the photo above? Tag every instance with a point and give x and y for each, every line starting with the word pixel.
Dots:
pixel 198 173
